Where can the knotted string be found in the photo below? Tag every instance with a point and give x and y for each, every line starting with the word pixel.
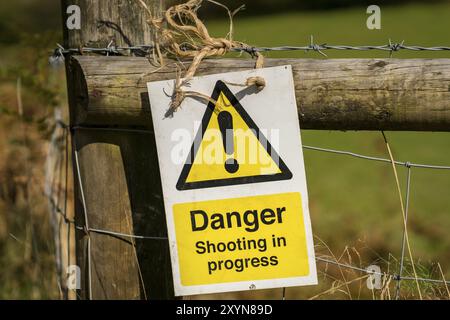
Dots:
pixel 182 34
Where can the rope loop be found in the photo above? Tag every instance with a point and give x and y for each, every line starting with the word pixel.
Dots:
pixel 186 36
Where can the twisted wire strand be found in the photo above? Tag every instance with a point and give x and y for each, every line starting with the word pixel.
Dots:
pixel 111 49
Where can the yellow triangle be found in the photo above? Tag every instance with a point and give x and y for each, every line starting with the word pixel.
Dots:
pixel 251 158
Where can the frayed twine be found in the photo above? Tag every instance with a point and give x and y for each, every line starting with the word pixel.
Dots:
pixel 186 36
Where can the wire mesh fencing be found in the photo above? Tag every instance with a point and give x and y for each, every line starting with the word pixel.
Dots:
pixel 57 174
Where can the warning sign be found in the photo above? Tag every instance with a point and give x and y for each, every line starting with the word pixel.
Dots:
pixel 234 184
pixel 238 135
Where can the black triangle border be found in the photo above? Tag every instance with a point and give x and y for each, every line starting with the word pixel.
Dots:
pixel 285 173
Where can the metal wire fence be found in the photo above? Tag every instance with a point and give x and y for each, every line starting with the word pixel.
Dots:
pixel 58 201
pixel 144 50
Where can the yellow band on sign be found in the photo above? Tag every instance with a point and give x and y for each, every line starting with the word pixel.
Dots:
pixel 241 239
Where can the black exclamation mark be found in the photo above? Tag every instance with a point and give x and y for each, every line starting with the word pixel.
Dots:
pixel 226 128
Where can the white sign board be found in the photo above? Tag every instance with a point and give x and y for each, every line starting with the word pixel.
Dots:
pixel 234 184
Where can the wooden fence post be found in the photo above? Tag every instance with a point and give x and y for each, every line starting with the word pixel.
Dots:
pixel 332 94
pixel 117 179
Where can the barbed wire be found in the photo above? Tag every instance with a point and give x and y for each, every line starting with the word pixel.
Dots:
pixel 111 49
pixel 124 236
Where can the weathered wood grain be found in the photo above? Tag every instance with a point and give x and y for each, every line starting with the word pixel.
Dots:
pixel 119 174
pixel 334 94
pixel 103 21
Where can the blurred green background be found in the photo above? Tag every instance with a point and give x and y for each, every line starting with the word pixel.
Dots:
pixel 354 206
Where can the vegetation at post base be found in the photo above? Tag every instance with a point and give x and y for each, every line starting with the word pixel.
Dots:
pixel 355 211
pixel 27 262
